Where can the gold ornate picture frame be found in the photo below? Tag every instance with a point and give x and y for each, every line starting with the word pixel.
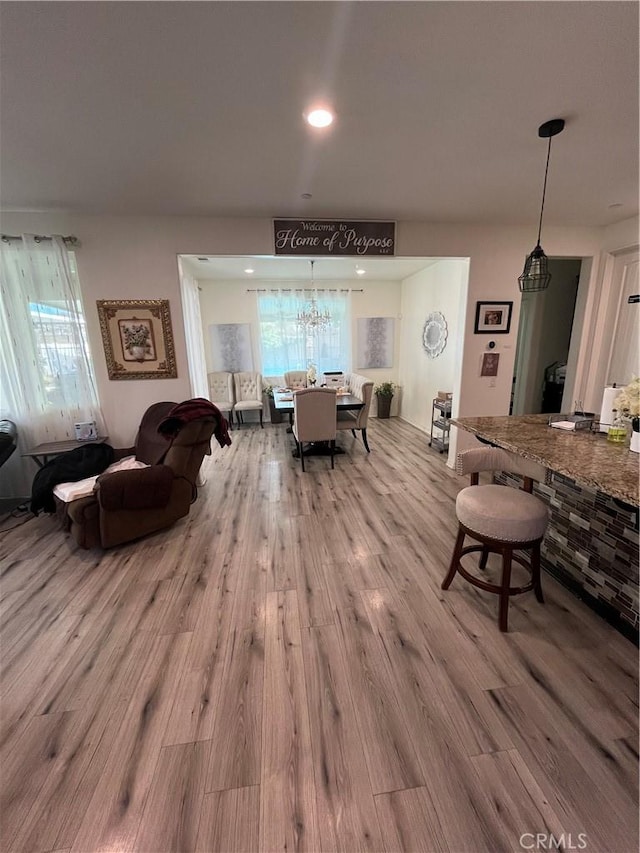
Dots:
pixel 137 338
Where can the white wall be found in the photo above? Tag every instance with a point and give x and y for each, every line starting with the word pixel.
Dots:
pixel 229 302
pixel 440 287
pixel 136 257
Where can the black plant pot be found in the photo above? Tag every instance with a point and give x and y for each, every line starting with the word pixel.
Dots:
pixel 274 414
pixel 384 406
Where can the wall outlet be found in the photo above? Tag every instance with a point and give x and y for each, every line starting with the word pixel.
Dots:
pixel 492 382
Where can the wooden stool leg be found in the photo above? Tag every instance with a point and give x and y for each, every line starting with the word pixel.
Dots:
pixel 504 592
pixel 535 572
pixel 455 560
pixel 483 558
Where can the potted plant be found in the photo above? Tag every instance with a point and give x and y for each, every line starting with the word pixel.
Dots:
pixel 274 414
pixel 384 392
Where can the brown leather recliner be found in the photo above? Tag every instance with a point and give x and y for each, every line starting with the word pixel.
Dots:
pixel 128 504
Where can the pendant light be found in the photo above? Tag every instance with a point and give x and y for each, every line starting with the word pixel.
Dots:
pixel 536 275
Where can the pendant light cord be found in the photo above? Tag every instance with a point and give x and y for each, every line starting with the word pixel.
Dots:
pixel 544 189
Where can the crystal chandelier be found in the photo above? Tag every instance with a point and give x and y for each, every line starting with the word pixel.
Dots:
pixel 311 317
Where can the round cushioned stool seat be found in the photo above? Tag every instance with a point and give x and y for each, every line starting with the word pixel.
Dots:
pixel 500 512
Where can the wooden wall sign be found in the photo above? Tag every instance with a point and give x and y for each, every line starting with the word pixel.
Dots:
pixel 339 237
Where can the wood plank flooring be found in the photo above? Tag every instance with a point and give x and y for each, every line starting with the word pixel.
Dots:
pixel 281 671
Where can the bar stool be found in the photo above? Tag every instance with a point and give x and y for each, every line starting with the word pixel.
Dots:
pixel 503 520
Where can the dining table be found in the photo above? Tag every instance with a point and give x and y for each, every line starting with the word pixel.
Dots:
pixel 283 402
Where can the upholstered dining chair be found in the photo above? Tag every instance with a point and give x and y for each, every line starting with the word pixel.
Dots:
pixel 248 391
pixel 295 379
pixel 221 392
pixel 503 520
pixel 361 387
pixel 314 418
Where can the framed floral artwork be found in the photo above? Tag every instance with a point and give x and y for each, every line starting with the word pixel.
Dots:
pixel 137 338
pixel 493 318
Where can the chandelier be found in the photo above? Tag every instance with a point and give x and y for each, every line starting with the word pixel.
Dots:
pixel 311 317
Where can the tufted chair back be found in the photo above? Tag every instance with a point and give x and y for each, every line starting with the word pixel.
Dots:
pixel 221 390
pixel 295 379
pixel 361 387
pixel 248 391
pixel 248 387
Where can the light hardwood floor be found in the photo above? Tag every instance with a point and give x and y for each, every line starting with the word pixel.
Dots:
pixel 281 671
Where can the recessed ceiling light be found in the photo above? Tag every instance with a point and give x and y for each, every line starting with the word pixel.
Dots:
pixel 319 118
pixel 249 271
pixel 360 272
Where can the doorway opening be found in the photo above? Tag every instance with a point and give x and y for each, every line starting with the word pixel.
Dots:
pixel 224 294
pixel 544 339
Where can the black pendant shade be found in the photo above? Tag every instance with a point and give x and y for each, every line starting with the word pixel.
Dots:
pixel 536 275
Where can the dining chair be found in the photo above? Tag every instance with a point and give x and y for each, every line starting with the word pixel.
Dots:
pixel 248 391
pixel 314 418
pixel 221 392
pixel 295 379
pixel 361 387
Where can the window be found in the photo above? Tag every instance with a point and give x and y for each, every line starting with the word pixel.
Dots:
pixel 288 345
pixel 61 343
pixel 47 382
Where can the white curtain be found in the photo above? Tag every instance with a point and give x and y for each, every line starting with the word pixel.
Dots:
pixel 47 383
pixel 194 337
pixel 288 345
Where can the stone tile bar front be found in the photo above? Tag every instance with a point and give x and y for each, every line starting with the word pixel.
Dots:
pixel 592 541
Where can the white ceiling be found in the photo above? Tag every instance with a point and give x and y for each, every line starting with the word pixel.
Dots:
pixel 196 108
pixel 299 269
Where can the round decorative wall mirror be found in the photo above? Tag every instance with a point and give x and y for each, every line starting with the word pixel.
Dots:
pixel 434 336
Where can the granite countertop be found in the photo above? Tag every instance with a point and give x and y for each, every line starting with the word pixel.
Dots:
pixel 586 457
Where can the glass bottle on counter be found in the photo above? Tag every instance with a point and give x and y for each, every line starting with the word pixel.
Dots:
pixel 617 432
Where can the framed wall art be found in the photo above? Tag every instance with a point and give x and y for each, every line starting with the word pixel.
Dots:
pixel 231 347
pixel 490 362
pixel 137 338
pixel 493 318
pixel 375 342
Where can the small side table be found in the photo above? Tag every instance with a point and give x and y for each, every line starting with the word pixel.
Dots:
pixel 42 452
